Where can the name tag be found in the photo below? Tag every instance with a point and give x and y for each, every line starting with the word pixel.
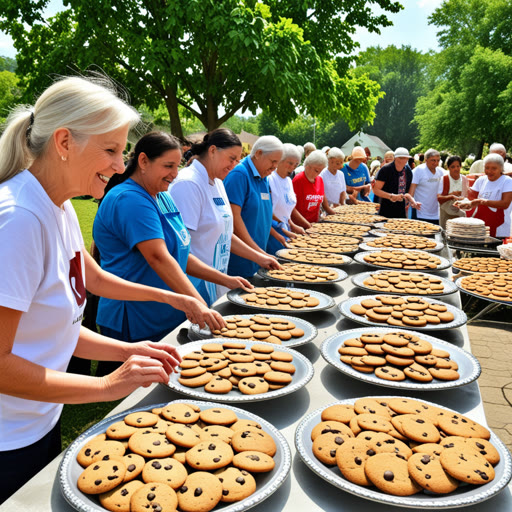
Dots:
pixel 265 196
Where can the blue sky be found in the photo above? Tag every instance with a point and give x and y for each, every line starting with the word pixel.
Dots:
pixel 410 27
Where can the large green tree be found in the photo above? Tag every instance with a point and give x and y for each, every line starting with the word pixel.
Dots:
pixel 401 74
pixel 214 58
pixel 10 93
pixel 470 80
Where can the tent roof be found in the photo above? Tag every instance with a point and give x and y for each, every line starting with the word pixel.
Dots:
pixel 374 143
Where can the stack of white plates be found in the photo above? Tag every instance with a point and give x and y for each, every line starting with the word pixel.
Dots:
pixel 467 228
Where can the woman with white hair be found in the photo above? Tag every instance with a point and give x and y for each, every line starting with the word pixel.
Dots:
pixel 491 197
pixel 309 189
pixel 283 199
pixel 249 195
pixel 70 143
pixel 334 180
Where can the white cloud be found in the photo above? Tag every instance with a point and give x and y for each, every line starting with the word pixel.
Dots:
pixel 429 5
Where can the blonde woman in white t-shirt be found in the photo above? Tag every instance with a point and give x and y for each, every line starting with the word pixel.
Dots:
pixel 334 180
pixel 68 144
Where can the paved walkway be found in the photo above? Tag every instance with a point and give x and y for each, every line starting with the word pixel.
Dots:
pixel 491 343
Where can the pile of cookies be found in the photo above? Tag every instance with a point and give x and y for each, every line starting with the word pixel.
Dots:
pixel 325 243
pixel 355 218
pixel 403 242
pixel 178 457
pixel 402 311
pixel 279 298
pixel 259 328
pixel 404 446
pixel 394 356
pixel 303 273
pixel 411 227
pixel 333 228
pixel 407 260
pixel 220 367
pixel 483 265
pixel 306 256
pixel 414 283
pixel 369 208
pixel 489 286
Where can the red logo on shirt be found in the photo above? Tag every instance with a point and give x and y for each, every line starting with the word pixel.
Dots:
pixel 76 280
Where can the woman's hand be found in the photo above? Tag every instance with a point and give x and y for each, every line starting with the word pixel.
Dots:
pixel 289 234
pixel 167 354
pixel 198 313
pixel 137 371
pixel 297 229
pixel 280 238
pixel 233 282
pixel 268 262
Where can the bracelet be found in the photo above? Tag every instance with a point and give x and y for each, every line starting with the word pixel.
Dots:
pixel 390 196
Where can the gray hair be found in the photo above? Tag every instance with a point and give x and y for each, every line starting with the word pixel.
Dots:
pixel 431 153
pixel 300 149
pixel 335 153
pixel 309 146
pixel 267 144
pixel 291 151
pixel 496 159
pixel 85 106
pixel 496 147
pixel 317 157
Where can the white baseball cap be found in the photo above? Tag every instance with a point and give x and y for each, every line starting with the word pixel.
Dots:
pixel 402 153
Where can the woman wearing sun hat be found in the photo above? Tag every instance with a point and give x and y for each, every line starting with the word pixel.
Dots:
pixel 357 176
pixel 392 185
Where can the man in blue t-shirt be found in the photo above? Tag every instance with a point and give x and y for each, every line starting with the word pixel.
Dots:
pixel 357 177
pixel 249 195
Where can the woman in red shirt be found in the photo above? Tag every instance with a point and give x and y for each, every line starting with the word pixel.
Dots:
pixel 309 189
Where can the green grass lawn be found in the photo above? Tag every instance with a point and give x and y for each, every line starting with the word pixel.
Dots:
pixel 86 211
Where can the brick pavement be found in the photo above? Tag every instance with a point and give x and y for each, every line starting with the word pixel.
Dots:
pixel 491 344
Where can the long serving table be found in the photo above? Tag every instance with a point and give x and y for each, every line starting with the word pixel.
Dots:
pixel 302 490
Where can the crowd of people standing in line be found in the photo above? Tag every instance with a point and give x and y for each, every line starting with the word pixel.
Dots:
pixel 169 243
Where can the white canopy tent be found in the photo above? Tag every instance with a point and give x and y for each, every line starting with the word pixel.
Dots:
pixel 372 142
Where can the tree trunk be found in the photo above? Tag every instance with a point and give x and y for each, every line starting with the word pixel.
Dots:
pixel 480 150
pixel 212 117
pixel 171 103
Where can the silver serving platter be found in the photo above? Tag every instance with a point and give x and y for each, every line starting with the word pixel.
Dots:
pixel 382 225
pixel 474 294
pixel 358 280
pixel 359 257
pixel 303 374
pixel 310 331
pixel 281 254
pixel 326 302
pixel 469 367
pixel 459 320
pixel 267 483
pixel 365 247
pixel 464 496
pixel 263 272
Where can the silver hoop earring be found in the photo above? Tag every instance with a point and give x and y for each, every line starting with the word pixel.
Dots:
pixel 63 158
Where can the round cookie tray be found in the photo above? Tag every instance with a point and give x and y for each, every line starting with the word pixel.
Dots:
pixel 342 275
pixel 359 257
pixel 464 496
pixel 459 320
pixel 358 280
pixel 267 483
pixel 371 224
pixel 469 367
pixel 462 289
pixel 463 271
pixel 310 331
pixel 281 254
pixel 303 374
pixel 382 225
pixel 365 247
pixel 326 302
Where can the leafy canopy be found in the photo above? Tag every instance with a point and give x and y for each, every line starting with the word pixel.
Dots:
pixel 212 57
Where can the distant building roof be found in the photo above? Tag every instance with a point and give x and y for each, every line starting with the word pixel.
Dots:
pixel 248 138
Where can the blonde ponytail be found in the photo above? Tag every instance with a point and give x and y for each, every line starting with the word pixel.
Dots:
pixel 86 106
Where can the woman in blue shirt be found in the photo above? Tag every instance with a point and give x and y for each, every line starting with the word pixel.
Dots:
pixel 141 237
pixel 357 177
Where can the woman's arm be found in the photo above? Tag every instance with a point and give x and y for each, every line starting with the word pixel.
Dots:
pixel 24 379
pixel 377 190
pixel 503 203
pixel 343 197
pixel 240 248
pixel 280 238
pixel 327 207
pixel 240 229
pixel 298 219
pixel 295 228
pixel 104 284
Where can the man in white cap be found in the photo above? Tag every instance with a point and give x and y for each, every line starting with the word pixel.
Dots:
pixel 425 185
pixel 477 167
pixel 357 177
pixel 392 185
